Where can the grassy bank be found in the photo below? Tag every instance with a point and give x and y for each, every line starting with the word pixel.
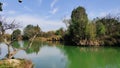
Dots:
pixel 15 63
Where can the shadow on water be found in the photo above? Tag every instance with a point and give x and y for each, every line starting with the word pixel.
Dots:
pixel 56 55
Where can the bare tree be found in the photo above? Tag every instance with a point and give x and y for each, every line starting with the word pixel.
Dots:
pixel 4 26
pixel 67 22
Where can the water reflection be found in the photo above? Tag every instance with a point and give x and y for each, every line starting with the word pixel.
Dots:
pixel 48 55
pixel 21 43
pixel 3 48
pixel 93 57
pixel 44 56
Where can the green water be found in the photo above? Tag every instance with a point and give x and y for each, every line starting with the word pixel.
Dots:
pixel 48 55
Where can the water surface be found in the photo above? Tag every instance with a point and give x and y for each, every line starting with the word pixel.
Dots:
pixel 48 55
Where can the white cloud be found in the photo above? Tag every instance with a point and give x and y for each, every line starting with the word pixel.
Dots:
pixel 54 11
pixel 45 25
pixel 53 3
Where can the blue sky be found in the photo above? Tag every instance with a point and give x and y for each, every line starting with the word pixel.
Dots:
pixel 50 13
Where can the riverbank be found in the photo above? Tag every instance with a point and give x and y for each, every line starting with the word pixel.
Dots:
pixel 106 41
pixel 15 63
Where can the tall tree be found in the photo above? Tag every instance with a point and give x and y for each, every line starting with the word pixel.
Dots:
pixel 77 27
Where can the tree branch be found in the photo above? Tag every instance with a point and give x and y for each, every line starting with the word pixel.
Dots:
pixel 16 50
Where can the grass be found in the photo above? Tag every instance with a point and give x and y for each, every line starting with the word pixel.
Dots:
pixel 16 63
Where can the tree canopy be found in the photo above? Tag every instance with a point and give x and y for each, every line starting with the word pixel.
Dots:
pixel 16 34
pixel 30 30
pixel 77 27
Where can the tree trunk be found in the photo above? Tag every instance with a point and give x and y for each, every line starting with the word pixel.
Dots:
pixel 8 51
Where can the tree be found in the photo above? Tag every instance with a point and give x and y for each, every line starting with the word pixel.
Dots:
pixel 110 23
pixel 59 32
pixel 67 22
pixel 77 27
pixel 50 33
pixel 4 26
pixel 30 31
pixel 91 31
pixel 100 29
pixel 16 34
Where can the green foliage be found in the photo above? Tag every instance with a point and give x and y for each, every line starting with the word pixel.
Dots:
pixel 100 29
pixel 35 48
pixel 16 44
pixel 16 34
pixel 91 31
pixel 46 34
pixel 30 30
pixel 77 27
pixel 59 32
pixel 79 22
pixel 110 23
pixel 50 33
